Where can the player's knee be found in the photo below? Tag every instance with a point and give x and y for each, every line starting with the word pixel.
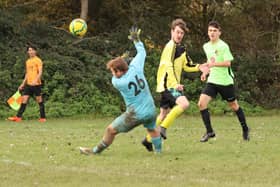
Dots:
pixel 234 105
pixel 200 105
pixel 111 130
pixel 25 99
pixel 39 99
pixel 183 102
pixel 185 105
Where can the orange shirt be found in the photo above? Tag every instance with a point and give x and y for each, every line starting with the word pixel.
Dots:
pixel 33 65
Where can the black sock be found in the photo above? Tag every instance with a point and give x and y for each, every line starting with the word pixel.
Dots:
pixel 42 110
pixel 21 110
pixel 241 118
pixel 206 120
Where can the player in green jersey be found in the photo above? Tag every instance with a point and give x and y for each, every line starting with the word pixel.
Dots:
pixel 220 80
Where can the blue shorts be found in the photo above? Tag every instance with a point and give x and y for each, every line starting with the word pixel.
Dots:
pixel 128 120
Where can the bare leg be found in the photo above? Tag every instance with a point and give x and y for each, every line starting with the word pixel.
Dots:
pixel 109 135
pixel 107 140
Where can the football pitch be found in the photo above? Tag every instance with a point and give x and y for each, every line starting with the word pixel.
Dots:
pixel 46 154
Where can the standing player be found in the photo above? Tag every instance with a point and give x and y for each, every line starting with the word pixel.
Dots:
pixel 31 85
pixel 174 60
pixel 220 81
pixel 140 108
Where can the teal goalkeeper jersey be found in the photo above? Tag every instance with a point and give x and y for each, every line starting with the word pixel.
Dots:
pixel 220 52
pixel 134 87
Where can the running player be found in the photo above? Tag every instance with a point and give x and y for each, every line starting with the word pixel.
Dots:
pixel 220 81
pixel 174 59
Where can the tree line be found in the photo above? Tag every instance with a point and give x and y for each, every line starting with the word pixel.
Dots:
pixel 73 83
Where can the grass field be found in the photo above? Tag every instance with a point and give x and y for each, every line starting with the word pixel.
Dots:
pixel 46 154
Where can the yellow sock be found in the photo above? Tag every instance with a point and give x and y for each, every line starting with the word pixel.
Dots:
pixel 149 138
pixel 171 116
pixel 158 122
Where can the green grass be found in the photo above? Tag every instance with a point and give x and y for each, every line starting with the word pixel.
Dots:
pixel 46 154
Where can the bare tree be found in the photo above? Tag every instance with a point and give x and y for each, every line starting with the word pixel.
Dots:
pixel 84 9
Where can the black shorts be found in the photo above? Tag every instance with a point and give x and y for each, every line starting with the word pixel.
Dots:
pixel 32 90
pixel 227 92
pixel 168 98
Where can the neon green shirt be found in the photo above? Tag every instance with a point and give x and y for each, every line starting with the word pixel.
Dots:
pixel 220 52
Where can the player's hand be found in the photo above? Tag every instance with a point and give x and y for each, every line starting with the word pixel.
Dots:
pixel 212 62
pixel 20 87
pixel 204 68
pixel 180 87
pixel 134 34
pixel 203 77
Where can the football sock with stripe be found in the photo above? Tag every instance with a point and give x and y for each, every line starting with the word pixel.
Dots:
pixel 100 147
pixel 157 144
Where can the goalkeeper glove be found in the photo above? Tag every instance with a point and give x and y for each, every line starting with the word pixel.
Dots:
pixel 134 34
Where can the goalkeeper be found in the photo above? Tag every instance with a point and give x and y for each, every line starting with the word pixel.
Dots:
pixel 140 107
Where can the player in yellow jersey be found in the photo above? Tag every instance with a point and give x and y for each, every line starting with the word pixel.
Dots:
pixel 174 60
pixel 31 84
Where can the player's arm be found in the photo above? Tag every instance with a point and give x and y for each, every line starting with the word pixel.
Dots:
pixel 213 63
pixel 189 66
pixel 21 86
pixel 139 59
pixel 227 57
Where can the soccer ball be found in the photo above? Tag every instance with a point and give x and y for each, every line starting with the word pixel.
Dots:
pixel 78 27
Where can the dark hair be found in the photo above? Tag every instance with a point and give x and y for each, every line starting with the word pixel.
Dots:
pixel 31 46
pixel 118 64
pixel 215 24
pixel 179 22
